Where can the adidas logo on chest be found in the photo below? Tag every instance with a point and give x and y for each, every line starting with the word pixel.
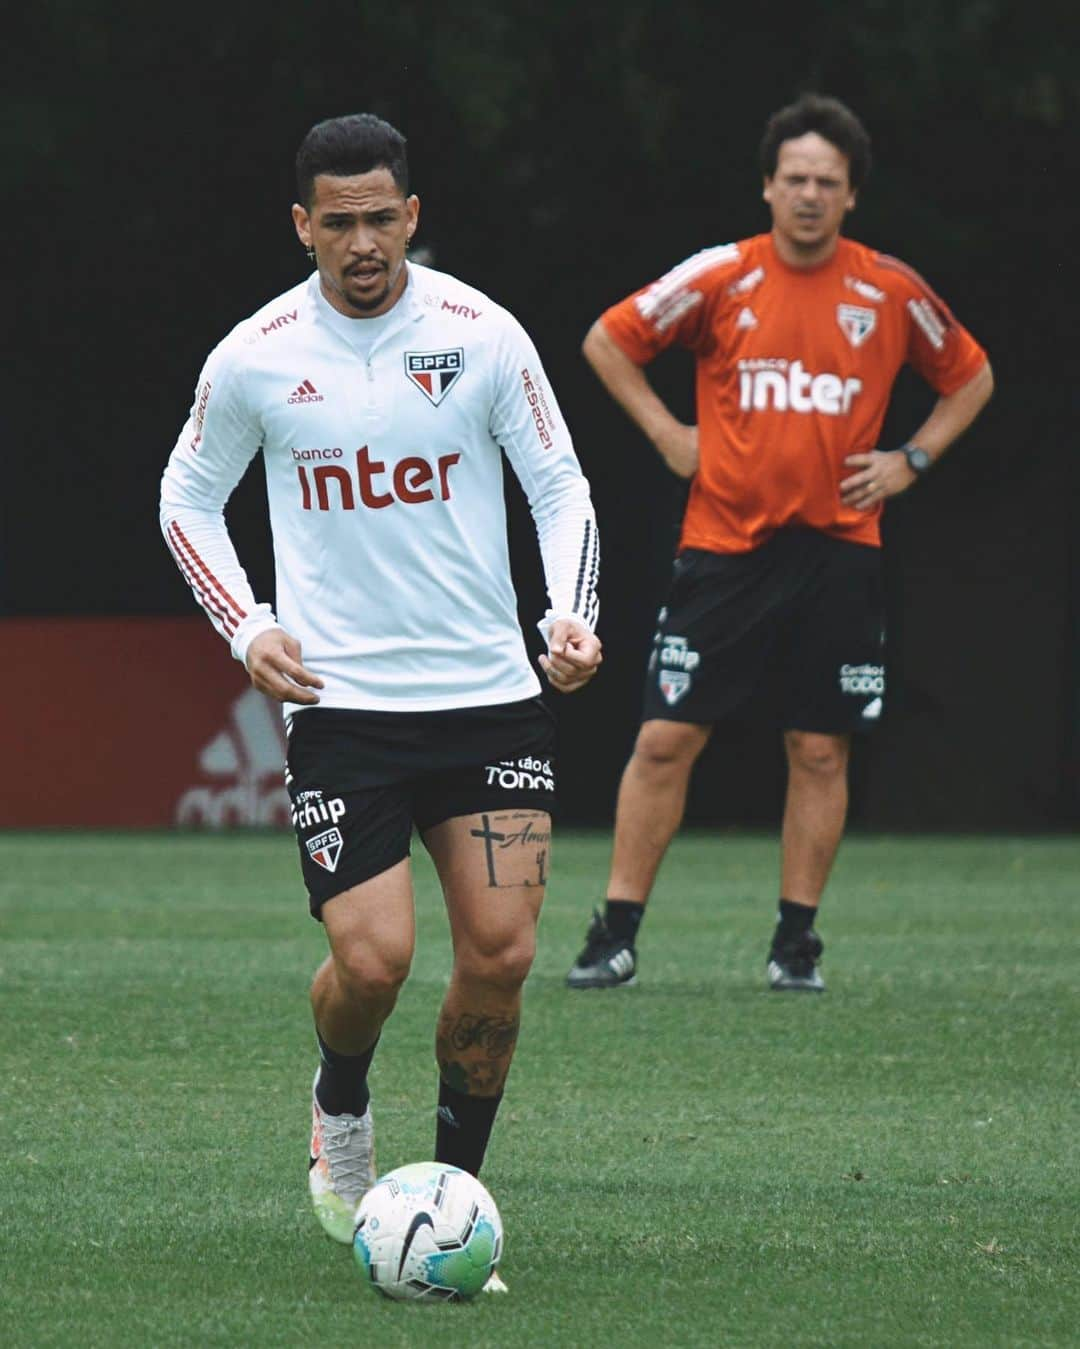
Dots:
pixel 305 392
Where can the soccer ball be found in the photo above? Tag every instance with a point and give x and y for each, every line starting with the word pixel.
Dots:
pixel 428 1231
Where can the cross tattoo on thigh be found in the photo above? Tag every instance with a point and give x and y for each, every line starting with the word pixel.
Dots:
pixel 489 836
pixel 526 837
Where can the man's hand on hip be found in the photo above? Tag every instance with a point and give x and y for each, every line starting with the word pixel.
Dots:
pixel 678 447
pixel 574 655
pixel 881 474
pixel 274 664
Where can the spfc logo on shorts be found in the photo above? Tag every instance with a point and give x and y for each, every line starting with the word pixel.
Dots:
pixel 856 323
pixel 325 849
pixel 674 684
pixel 435 372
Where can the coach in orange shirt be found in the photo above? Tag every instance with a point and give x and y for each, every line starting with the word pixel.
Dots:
pixel 797 336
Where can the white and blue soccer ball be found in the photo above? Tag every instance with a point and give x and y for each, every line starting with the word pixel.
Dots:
pixel 428 1231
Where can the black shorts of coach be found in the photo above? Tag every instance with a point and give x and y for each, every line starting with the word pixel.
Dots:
pixel 796 625
pixel 360 781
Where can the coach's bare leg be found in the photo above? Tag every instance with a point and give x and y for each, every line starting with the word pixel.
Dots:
pixel 814 812
pixel 371 929
pixel 652 798
pixel 493 868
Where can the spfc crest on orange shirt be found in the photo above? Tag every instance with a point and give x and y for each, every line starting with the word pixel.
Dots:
pixel 435 372
pixel 856 323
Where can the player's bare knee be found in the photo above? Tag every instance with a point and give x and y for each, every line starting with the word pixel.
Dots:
pixel 819 756
pixel 372 975
pixel 668 746
pixel 504 965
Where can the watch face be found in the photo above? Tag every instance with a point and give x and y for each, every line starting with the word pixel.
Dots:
pixel 918 459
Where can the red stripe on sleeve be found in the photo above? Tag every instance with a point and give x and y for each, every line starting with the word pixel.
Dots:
pixel 214 611
pixel 193 556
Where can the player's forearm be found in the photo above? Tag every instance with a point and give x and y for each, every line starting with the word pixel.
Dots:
pixel 953 414
pixel 628 384
pixel 204 553
pixel 570 550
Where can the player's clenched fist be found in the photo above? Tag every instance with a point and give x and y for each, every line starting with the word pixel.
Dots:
pixel 275 667
pixel 574 656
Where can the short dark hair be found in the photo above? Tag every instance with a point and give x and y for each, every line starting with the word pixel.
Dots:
pixel 831 120
pixel 342 146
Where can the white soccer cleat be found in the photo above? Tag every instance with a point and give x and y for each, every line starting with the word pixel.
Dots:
pixel 341 1169
pixel 494 1284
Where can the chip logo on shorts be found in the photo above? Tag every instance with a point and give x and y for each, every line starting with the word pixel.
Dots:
pixel 673 685
pixel 676 653
pixel 325 849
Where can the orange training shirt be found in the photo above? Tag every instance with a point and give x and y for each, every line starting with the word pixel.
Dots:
pixel 794 371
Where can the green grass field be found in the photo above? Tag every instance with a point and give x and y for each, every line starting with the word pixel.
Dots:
pixel 694 1161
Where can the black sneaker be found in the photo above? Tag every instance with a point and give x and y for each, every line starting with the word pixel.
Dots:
pixel 793 966
pixel 606 961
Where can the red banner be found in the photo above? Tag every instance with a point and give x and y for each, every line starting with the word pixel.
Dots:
pixel 135 723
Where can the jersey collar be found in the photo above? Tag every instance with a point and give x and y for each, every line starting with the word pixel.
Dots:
pixel 407 310
pixel 818 269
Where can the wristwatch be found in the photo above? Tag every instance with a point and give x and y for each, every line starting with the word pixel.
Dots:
pixel 918 460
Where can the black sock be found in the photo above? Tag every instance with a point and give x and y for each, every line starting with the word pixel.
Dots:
pixel 623 918
pixel 463 1127
pixel 792 921
pixel 342 1087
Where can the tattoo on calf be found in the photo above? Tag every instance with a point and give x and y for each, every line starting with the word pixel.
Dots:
pixel 495 1035
pixel 525 835
pixel 474 1079
pixel 454 1075
pixel 476 1073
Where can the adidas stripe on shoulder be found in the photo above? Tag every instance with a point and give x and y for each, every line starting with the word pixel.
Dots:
pixel 674 294
pixel 926 308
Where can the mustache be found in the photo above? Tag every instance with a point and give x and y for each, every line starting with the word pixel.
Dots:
pixel 366 264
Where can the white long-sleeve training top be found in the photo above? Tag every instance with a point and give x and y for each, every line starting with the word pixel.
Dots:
pixel 382 443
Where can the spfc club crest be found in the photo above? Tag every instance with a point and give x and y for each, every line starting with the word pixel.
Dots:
pixel 673 685
pixel 325 849
pixel 856 323
pixel 435 372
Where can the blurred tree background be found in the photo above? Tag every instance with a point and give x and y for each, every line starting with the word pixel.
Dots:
pixel 564 155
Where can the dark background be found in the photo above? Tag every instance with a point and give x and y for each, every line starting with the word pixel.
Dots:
pixel 565 155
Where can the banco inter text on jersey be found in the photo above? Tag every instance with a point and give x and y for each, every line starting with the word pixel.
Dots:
pixel 794 368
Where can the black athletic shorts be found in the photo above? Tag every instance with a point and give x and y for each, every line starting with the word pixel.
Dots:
pixel 798 622
pixel 359 781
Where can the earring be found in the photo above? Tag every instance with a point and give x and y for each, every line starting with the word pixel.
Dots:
pixel 311 254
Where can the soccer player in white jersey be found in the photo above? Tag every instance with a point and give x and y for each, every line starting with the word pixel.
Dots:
pixel 383 396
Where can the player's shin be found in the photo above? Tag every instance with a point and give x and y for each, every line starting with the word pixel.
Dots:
pixel 342 1087
pixel 474 1045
